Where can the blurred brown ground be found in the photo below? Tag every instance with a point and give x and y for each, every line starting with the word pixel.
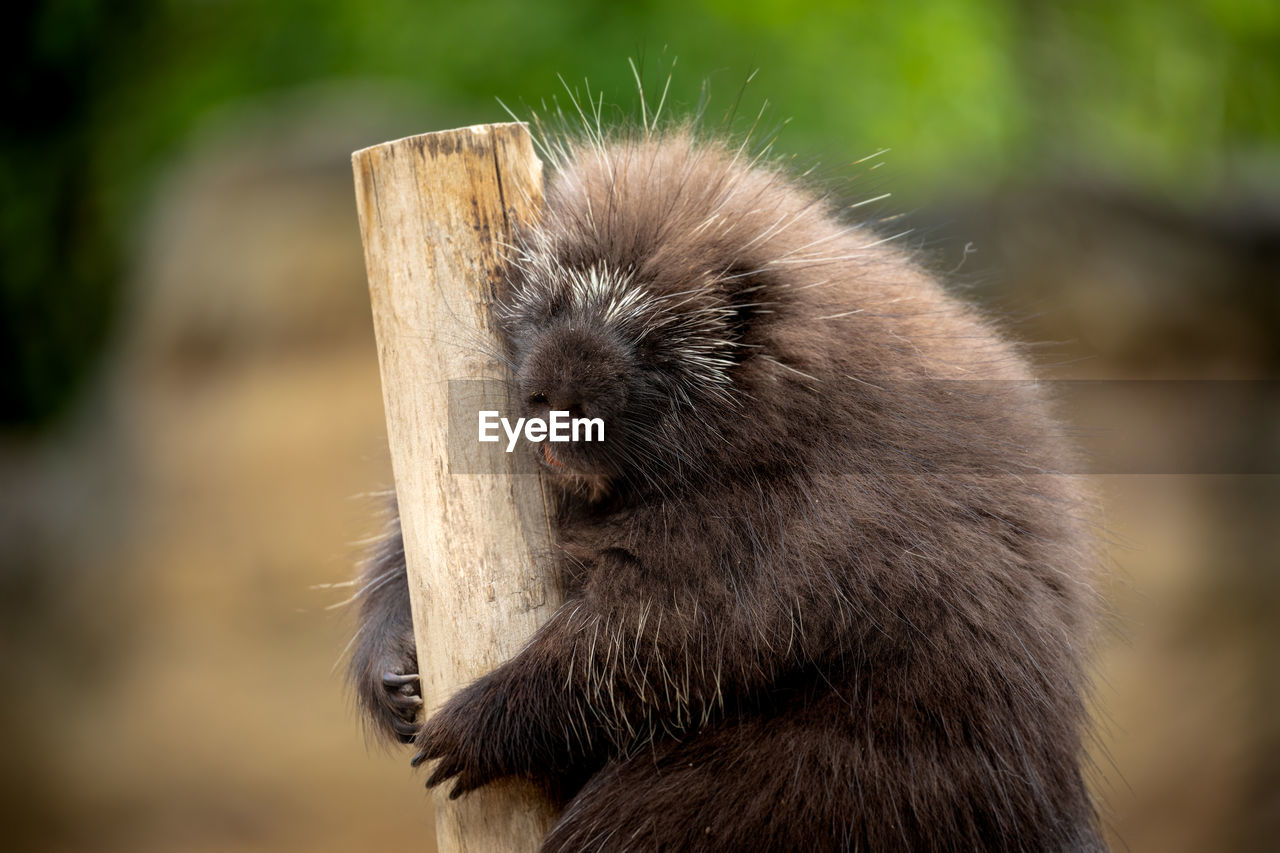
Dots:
pixel 172 674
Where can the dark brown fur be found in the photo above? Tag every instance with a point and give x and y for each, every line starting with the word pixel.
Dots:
pixel 823 588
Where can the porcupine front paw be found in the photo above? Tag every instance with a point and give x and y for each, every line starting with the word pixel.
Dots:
pixel 469 737
pixel 389 690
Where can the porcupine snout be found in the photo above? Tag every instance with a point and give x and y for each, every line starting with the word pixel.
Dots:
pixel 574 368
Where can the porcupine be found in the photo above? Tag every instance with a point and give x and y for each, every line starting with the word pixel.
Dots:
pixel 825 585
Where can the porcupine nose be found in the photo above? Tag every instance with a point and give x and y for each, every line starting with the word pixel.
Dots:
pixel 555 398
pixel 575 370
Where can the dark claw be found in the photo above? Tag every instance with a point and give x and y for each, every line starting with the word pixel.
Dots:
pixel 406 730
pixel 447 769
pixel 406 701
pixel 439 775
pixel 467 782
pixel 403 701
pixel 395 679
pixel 426 753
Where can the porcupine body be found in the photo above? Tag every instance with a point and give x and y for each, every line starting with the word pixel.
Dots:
pixel 825 588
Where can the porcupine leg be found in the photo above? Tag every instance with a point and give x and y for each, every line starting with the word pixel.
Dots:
pixel 814 777
pixel 744 785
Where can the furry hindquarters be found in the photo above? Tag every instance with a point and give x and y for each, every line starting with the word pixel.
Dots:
pixel 817 779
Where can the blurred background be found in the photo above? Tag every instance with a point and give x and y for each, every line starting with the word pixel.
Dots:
pixel 191 413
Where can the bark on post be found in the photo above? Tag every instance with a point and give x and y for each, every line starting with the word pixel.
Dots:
pixel 434 210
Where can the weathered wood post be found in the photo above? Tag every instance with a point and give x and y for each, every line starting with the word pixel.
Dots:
pixel 434 210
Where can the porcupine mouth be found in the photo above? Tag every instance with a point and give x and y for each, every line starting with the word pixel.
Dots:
pixel 552 461
pixel 557 465
pixel 593 487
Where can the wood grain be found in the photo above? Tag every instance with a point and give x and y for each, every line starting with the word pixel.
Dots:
pixel 434 210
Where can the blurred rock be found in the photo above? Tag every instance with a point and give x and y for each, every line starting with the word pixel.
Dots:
pixel 1120 284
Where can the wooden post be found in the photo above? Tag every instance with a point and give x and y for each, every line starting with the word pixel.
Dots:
pixel 434 210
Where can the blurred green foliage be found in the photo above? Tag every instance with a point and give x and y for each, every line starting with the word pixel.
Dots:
pixel 1181 98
